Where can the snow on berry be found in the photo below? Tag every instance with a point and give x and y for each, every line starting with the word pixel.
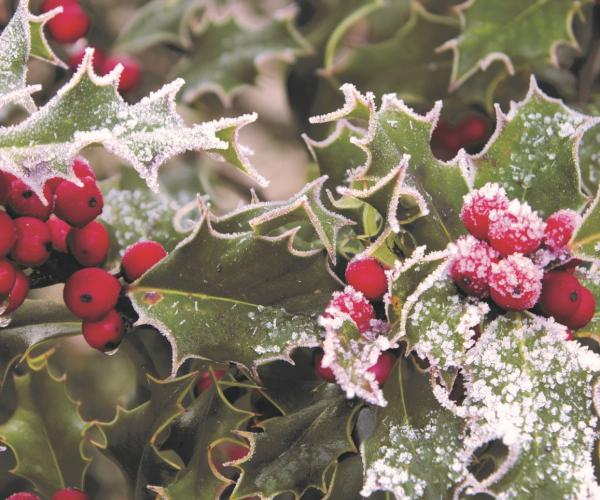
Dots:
pixel 516 283
pixel 517 229
pixel 477 206
pixel 560 227
pixel 470 265
pixel 353 303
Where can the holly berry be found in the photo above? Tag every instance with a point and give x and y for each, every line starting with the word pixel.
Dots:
pixel 89 244
pixel 518 229
pixel 584 312
pixel 48 5
pixel 354 304
pixel 23 495
pixel 5 182
pixel 471 264
pixel 19 292
pixel 447 137
pixel 205 380
pixel 83 169
pixel 70 25
pixel 59 231
pixel 560 227
pixel 235 451
pixel 8 234
pixel 140 257
pixel 33 242
pixel 78 205
pixel 477 205
pixel 383 367
pixel 367 276
pixel 70 494
pixel 560 295
pixel 321 371
pixel 473 129
pixel 569 335
pixel 77 57
pixel 23 201
pixel 8 275
pixel 105 333
pixel 515 283
pixel 91 293
pixel 130 77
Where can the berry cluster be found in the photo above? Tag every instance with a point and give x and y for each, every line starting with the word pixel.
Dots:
pixel 366 281
pixel 64 494
pixel 471 131
pixel 506 253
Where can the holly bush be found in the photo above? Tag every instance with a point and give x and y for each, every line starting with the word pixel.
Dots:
pixel 237 356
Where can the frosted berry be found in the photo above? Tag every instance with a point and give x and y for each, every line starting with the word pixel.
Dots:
pixel 140 257
pixel 205 380
pixel 78 205
pixel 8 275
pixel 91 293
pixel 70 25
pixel 5 182
pixel 584 312
pixel 560 226
pixel 59 231
pixel 23 201
pixel 89 244
pixel 83 169
pixel 354 304
pixel 322 372
pixel 34 242
pixel 23 495
pixel 518 229
pixel 19 291
pixel 367 276
pixel 473 129
pixel 477 205
pixel 70 494
pixel 130 77
pixel 471 264
pixel 515 283
pixel 104 334
pixel 8 234
pixel 77 56
pixel 383 367
pixel 560 295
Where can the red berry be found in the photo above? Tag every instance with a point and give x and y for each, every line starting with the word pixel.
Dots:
pixel 515 283
pixel 70 25
pixel 8 234
pixel 205 381
pixel 569 335
pixel 33 242
pixel 354 304
pixel 140 257
pixel 447 137
pixel 471 264
pixel 59 231
pixel 235 451
pixel 518 229
pixel 48 5
pixel 23 495
pixel 77 56
pixel 19 292
pixel 131 74
pixel 560 295
pixel 78 205
pixel 5 182
pixel 91 293
pixel 23 201
pixel 104 334
pixel 473 129
pixel 322 372
pixel 70 494
pixel 8 275
pixel 367 276
pixel 89 245
pixel 584 312
pixel 383 367
pixel 560 227
pixel 83 169
pixel 477 205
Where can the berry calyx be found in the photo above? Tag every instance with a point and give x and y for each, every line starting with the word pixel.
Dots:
pixel 560 295
pixel 33 242
pixel 322 372
pixel 19 292
pixel 473 129
pixel 8 275
pixel 515 283
pixel 91 293
pixel 477 205
pixel 104 334
pixel 584 312
pixel 471 264
pixel 367 276
pixel 78 205
pixel 70 25
pixel 560 227
pixel 8 234
pixel 59 230
pixel 23 201
pixel 383 367
pixel 23 495
pixel 205 380
pixel 354 304
pixel 89 244
pixel 517 229
pixel 140 257
pixel 130 76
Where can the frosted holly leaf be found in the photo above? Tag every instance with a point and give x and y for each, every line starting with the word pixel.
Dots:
pixel 589 157
pixel 585 242
pixel 533 153
pixel 413 447
pixel 511 31
pixel 225 56
pixel 590 278
pixel 533 390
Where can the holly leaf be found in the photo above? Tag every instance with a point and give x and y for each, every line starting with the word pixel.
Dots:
pixel 522 366
pixel 411 448
pixel 512 32
pixel 131 440
pixel 589 155
pixel 585 242
pixel 46 432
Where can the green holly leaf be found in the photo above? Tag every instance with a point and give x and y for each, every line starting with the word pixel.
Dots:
pixel 131 440
pixel 512 32
pixel 35 323
pixel 589 158
pixel 585 242
pixel 295 451
pixel 533 153
pixel 46 432
pixel 590 278
pixel 225 55
pixel 411 448
pixel 208 421
pixel 529 388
